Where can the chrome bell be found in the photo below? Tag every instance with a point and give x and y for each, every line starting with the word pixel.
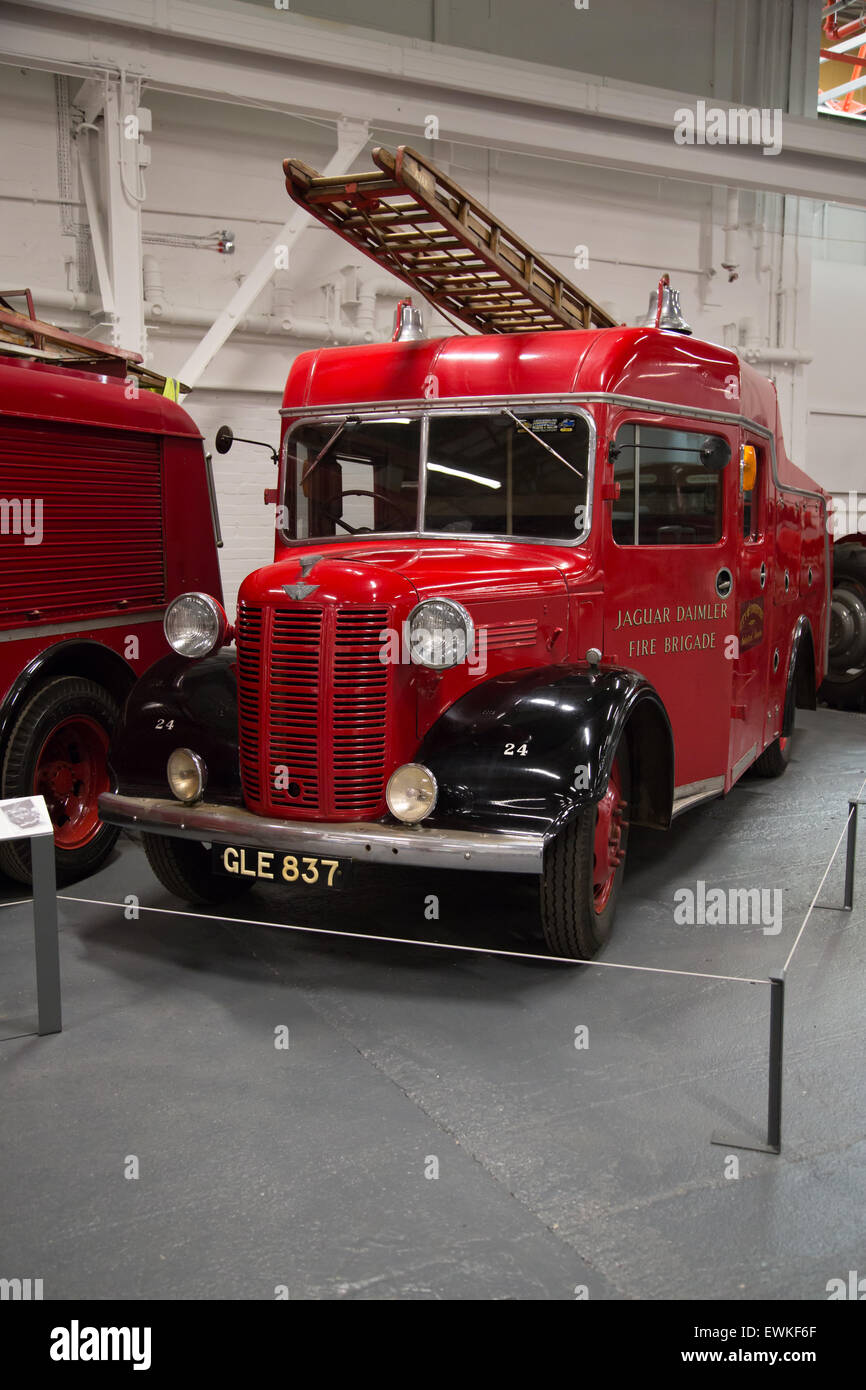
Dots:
pixel 664 309
pixel 408 326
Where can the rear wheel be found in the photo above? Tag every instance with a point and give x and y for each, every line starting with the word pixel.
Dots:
pixel 775 757
pixel 583 869
pixel 845 683
pixel 184 868
pixel 58 749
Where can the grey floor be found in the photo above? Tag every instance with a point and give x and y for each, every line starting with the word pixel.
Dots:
pixel 305 1169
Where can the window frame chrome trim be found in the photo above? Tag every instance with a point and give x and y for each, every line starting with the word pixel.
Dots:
pixel 424 412
pixel 547 399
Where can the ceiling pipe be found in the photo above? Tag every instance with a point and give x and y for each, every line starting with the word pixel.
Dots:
pixel 159 313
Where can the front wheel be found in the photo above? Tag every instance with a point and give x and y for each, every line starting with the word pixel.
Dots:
pixel 583 869
pixel 184 868
pixel 58 749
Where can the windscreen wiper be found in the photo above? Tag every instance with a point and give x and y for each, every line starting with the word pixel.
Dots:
pixel 517 420
pixel 350 420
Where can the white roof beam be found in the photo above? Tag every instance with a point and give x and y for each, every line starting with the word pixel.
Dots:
pixel 285 63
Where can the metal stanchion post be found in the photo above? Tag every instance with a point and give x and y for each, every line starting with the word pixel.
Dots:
pixel 777 1030
pixel 850 852
pixel 773 1143
pixel 45 932
pixel 27 818
pixel 850 855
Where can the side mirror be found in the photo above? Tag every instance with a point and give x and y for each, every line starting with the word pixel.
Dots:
pixel 224 439
pixel 715 453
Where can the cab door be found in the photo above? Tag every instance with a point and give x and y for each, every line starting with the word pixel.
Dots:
pixel 669 564
pixel 753 610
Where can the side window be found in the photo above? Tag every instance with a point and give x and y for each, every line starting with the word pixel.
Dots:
pixel 668 495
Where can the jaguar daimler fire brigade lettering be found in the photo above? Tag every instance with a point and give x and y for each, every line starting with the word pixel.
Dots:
pixel 684 612
pixel 439 526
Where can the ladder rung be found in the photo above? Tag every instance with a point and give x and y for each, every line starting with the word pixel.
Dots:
pixel 417 222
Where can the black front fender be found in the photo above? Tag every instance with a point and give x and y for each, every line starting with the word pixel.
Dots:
pixel 530 749
pixel 180 703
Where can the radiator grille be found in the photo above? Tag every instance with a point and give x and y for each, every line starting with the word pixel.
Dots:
pixel 313 710
pixel 102 534
pixel 294 736
pixel 249 645
pixel 360 686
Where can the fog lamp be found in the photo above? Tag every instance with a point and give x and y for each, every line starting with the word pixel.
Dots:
pixel 186 774
pixel 411 793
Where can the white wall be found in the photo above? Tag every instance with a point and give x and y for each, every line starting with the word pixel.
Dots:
pixel 241 477
pixel 708 46
pixel 218 165
pixel 837 401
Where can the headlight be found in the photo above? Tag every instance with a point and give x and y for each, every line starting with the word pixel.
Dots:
pixel 441 633
pixel 411 793
pixel 194 624
pixel 186 774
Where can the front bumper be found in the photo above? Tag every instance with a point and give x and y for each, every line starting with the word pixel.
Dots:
pixel 510 852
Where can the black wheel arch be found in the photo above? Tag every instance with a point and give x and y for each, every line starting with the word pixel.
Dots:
pixel 87 659
pixel 567 718
pixel 800 688
pixel 199 699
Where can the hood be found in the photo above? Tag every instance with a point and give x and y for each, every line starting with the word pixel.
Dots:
pixel 383 571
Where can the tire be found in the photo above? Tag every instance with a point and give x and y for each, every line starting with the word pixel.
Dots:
pixel 578 899
pixel 844 686
pixel 775 758
pixel 58 749
pixel 184 868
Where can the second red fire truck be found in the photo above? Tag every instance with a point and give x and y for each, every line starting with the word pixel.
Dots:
pixel 107 513
pixel 531 587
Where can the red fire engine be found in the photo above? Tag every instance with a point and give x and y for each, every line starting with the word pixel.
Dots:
pixel 100 475
pixel 530 587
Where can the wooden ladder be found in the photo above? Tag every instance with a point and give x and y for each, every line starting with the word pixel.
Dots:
pixel 23 335
pixel 413 220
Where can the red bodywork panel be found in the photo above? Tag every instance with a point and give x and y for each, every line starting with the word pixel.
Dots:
pixel 119 474
pixel 634 361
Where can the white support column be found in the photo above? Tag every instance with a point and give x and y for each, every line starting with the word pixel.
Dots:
pixel 122 192
pixel 351 138
pixel 97 237
pixel 793 315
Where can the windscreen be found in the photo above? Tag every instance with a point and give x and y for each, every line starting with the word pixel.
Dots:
pixel 498 473
pixel 353 477
pixel 508 474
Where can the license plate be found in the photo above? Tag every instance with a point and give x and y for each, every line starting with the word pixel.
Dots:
pixel 273 866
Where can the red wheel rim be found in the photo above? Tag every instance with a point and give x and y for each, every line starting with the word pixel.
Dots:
pixel 607 850
pixel 71 771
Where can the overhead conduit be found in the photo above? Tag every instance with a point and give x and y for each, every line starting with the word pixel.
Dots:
pixel 281 322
